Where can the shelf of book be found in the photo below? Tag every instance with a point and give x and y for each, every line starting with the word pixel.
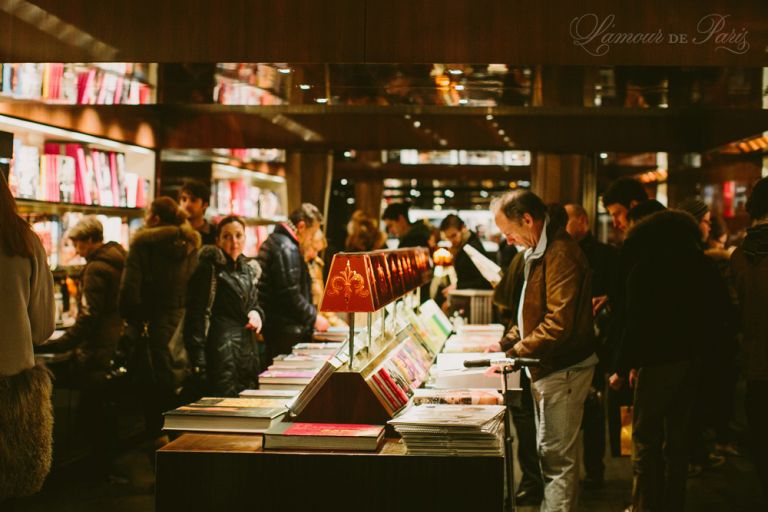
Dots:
pixel 57 176
pixel 79 84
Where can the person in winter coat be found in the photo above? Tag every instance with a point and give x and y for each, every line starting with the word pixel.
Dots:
pixel 98 327
pixel 285 289
pixel 675 299
pixel 152 298
pixel 750 275
pixel 221 346
pixel 95 335
pixel 27 317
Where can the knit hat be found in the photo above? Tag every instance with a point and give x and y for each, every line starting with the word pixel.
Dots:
pixel 695 207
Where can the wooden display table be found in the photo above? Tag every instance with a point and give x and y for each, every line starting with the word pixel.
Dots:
pixel 230 472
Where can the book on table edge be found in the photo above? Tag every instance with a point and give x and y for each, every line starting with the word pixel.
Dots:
pixel 240 415
pixel 323 436
pixel 287 394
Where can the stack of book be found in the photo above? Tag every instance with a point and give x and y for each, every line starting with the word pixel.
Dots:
pixel 449 371
pixel 238 415
pixel 298 369
pixel 468 430
pixel 324 436
pixel 463 396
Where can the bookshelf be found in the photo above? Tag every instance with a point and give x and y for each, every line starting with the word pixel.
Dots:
pixel 248 182
pixel 106 83
pixel 58 176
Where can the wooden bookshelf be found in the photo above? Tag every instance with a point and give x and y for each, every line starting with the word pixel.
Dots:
pixel 51 208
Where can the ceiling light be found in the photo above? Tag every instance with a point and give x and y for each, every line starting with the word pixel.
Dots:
pixel 407 116
pixel 284 71
pixel 501 132
pixel 348 154
pixel 321 100
pixel 603 155
pixel 443 142
pixel 344 181
pixel 416 124
pixel 506 139
pixel 483 193
pixel 304 87
pixel 350 200
pixel 463 101
pixel 489 117
pixel 455 71
pixel 458 87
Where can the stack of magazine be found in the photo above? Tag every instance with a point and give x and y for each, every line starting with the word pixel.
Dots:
pixel 440 429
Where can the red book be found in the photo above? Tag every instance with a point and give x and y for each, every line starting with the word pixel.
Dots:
pixel 393 387
pixel 323 436
pixel 391 404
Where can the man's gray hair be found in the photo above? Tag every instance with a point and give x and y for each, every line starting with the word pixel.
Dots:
pixel 515 204
pixel 89 228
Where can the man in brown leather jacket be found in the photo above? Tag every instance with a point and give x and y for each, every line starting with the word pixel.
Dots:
pixel 554 324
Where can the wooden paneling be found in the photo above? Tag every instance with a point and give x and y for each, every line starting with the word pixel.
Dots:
pixel 536 32
pixel 404 31
pixel 190 31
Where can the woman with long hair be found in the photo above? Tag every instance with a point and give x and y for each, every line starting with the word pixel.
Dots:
pixel 223 314
pixel 27 317
pixel 364 233
pixel 153 294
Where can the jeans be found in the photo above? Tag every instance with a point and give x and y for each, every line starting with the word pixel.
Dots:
pixel 664 398
pixel 559 405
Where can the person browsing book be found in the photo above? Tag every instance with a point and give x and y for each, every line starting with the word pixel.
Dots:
pixel 223 313
pixel 554 324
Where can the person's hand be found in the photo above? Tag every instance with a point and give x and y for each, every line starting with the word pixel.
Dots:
pixel 615 382
pixel 321 323
pixel 254 321
pixel 632 378
pixel 598 303
pixel 492 371
pixel 448 289
pixel 493 347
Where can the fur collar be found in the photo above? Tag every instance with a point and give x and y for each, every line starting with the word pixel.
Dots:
pixel 149 235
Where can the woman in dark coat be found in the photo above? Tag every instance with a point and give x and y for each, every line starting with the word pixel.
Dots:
pixel 153 294
pixel 220 342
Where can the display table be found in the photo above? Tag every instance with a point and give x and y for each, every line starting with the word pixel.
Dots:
pixel 231 472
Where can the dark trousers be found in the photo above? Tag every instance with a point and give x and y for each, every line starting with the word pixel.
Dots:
pixel 593 425
pixel 664 396
pixel 757 416
pixel 527 454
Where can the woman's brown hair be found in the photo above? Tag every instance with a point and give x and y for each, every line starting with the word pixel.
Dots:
pixel 15 233
pixel 168 211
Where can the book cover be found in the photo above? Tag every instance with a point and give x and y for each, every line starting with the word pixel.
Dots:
pixel 323 436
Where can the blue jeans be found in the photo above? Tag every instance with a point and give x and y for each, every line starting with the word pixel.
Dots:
pixel 559 405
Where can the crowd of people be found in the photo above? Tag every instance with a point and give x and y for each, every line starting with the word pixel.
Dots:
pixel 657 323
pixel 658 319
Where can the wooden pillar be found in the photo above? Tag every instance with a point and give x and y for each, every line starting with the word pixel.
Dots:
pixel 368 195
pixel 564 178
pixel 308 177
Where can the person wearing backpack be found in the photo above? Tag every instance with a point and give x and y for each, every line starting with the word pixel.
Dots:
pixel 223 314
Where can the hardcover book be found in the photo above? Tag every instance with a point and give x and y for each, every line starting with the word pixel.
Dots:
pixel 323 436
pixel 240 415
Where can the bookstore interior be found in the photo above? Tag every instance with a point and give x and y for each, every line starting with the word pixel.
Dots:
pixel 353 106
